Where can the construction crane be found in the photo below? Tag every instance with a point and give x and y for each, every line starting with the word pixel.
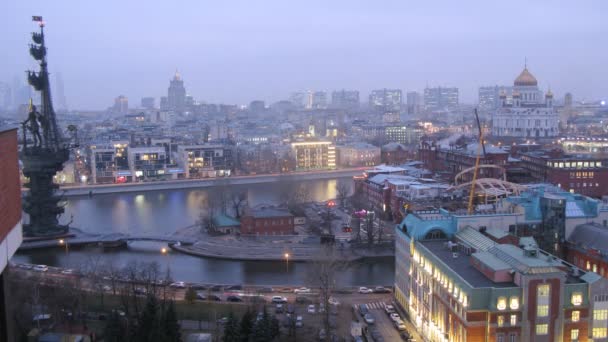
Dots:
pixel 480 147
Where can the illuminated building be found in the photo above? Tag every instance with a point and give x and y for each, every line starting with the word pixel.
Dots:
pixel 489 97
pixel 460 279
pixel 386 99
pixel 528 116
pixel 209 160
pixel 314 155
pixel 11 229
pixel 147 162
pixel 358 154
pixel 109 163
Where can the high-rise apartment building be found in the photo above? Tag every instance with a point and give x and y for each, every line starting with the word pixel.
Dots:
pixel 176 96
pixel 148 103
pixel 121 105
pixel 346 99
pixel 314 155
pixel 489 97
pixel 386 99
pixel 414 103
pixel 441 98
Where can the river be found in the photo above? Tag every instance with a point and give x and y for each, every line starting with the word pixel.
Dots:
pixel 163 212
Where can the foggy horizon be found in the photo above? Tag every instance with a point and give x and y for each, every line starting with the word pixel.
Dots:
pixel 238 52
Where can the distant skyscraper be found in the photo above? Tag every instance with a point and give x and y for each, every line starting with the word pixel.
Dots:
pixel 439 98
pixel 348 99
pixel 121 105
pixel 176 97
pixel 164 103
pixel 297 99
pixel 148 102
pixel 319 100
pixel 386 99
pixel 257 106
pixel 489 97
pixel 62 103
pixel 5 96
pixel 413 103
pixel 568 100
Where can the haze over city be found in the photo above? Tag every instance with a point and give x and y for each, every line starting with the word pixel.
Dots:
pixel 238 51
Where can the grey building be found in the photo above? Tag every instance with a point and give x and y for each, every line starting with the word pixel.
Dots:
pixel 414 102
pixel 346 99
pixel 439 98
pixel 386 99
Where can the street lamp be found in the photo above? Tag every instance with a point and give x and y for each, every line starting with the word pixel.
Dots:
pixel 287 266
pixel 63 242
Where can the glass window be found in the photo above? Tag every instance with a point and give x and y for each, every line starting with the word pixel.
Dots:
pixel 513 319
pixel 500 320
pixel 574 334
pixel 502 303
pixel 514 303
pixel 599 332
pixel 543 329
pixel 577 298
pixel 542 310
pixel 576 316
pixel 600 315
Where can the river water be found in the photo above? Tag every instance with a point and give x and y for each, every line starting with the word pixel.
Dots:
pixel 163 212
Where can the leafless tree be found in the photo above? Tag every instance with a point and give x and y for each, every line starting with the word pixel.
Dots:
pixel 343 189
pixel 294 196
pixel 238 200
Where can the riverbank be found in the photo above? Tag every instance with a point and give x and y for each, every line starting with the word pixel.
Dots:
pixel 98 189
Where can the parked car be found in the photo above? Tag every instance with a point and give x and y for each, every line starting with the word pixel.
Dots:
pixel 302 290
pixel 279 309
pixel 279 300
pixel 389 309
pixel 233 298
pixel 381 289
pixel 311 309
pixel 40 268
pixel 400 325
pixel 201 296
pixel 369 319
pixel 365 290
pixel 214 298
pixel 333 301
pixel 222 321
pixel 395 317
pixel 178 285
pixel 140 291
pixel 405 335
pixel 299 322
pixel 107 288
pixel 363 309
pixel 303 300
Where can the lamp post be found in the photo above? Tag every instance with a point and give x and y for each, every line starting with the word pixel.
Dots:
pixel 330 205
pixel 63 242
pixel 287 266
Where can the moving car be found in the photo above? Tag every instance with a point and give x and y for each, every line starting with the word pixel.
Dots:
pixel 178 285
pixel 234 288
pixel 40 268
pixel 369 319
pixel 381 289
pixel 68 271
pixel 365 290
pixel 201 296
pixel 302 290
pixel 279 300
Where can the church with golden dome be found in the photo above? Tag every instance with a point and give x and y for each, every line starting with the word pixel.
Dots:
pixel 528 115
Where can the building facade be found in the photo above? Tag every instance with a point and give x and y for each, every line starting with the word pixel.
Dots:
pixel 440 98
pixel 314 155
pixel 529 115
pixel 358 154
pixel 386 99
pixel 267 221
pixel 345 99
pixel 489 97
pixel 208 160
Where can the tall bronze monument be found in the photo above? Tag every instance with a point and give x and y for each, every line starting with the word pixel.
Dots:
pixel 46 152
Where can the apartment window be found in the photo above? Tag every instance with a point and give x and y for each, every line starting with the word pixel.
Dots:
pixel 499 338
pixel 512 338
pixel 513 319
pixel 599 332
pixel 514 303
pixel 543 329
pixel 600 315
pixel 577 298
pixel 500 321
pixel 502 303
pixel 576 316
pixel 574 334
pixel 542 310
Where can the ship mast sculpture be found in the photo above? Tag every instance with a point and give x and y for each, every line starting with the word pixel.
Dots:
pixel 46 153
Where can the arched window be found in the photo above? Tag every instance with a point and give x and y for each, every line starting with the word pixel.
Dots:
pixel 435 234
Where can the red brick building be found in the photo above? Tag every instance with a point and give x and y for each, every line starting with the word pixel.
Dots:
pixel 10 213
pixel 584 175
pixel 587 247
pixel 267 221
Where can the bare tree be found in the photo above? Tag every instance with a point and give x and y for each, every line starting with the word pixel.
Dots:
pixel 294 196
pixel 343 189
pixel 238 200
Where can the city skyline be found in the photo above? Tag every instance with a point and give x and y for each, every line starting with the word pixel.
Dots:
pixel 240 56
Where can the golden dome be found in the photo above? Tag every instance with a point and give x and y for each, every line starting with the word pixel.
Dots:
pixel 525 79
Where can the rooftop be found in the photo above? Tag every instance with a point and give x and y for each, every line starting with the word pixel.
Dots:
pixel 270 212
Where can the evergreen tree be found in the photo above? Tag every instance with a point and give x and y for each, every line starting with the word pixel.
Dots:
pixel 169 324
pixel 148 327
pixel 275 330
pixel 246 326
pixel 115 330
pixel 231 329
pixel 190 295
pixel 261 329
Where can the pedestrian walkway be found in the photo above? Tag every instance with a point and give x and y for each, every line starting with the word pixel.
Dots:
pixel 376 305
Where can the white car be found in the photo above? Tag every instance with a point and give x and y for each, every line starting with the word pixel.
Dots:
pixel 178 285
pixel 68 271
pixel 107 288
pixel 333 301
pixel 395 317
pixel 40 268
pixel 365 290
pixel 299 321
pixel 279 300
pixel 311 309
pixel 399 325
pixel 302 290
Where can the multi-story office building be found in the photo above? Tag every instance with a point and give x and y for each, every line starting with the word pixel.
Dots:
pixel 319 100
pixel 403 134
pixel 109 163
pixel 489 97
pixel 441 98
pixel 208 160
pixel 121 105
pixel 298 99
pixel 386 99
pixel 148 103
pixel 465 277
pixel 346 99
pixel 314 155
pixel 358 154
pixel 528 116
pixel 176 95
pixel 148 162
pixel 11 228
pixel 414 103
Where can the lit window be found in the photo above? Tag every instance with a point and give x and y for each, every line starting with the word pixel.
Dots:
pixel 513 319
pixel 542 329
pixel 542 310
pixel 543 290
pixel 574 334
pixel 599 332
pixel 502 303
pixel 600 315
pixel 577 298
pixel 588 266
pixel 500 321
pixel 514 303
pixel 576 316
pixel 594 268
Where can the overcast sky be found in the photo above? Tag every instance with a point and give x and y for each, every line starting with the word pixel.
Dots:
pixel 237 51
